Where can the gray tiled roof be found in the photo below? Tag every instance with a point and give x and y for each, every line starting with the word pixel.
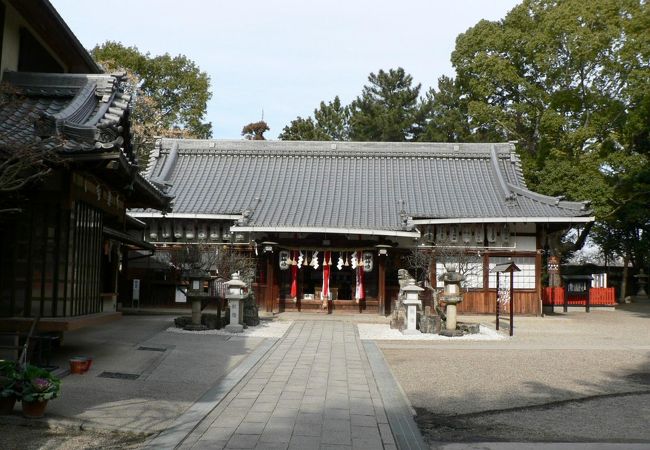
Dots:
pixel 80 111
pixel 350 185
pixel 74 114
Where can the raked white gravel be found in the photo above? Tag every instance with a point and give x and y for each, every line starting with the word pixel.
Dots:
pixel 382 332
pixel 266 329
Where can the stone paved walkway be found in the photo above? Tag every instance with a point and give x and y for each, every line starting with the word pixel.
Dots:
pixel 314 389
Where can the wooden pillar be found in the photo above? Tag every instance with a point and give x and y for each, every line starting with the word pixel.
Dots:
pixel 433 280
pixel 538 281
pixel 270 280
pixel 381 279
pixel 486 281
pixel 512 300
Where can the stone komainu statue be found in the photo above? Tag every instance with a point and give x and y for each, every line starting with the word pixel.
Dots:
pixel 398 314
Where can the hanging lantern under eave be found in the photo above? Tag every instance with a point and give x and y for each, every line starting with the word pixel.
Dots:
pixel 368 262
pixel 505 234
pixel 284 260
pixel 479 235
pixel 203 232
pixel 453 234
pixel 441 234
pixel 491 233
pixel 153 230
pixel 190 231
pixel 214 232
pixel 467 234
pixel 178 229
pixel 166 229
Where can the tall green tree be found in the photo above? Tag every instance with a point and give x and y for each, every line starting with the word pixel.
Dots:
pixel 330 123
pixel 554 75
pixel 171 92
pixel 388 108
pixel 446 119
pixel 569 80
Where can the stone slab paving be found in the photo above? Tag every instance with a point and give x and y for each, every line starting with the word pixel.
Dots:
pixel 315 389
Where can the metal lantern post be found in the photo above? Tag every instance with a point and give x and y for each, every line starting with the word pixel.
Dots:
pixel 235 295
pixel 507 267
pixel 412 303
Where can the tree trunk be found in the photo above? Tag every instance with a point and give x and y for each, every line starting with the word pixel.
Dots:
pixel 626 260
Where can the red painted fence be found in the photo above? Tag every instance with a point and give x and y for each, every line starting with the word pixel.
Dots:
pixel 597 296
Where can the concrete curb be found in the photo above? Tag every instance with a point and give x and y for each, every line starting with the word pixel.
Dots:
pixel 537 446
pixel 398 408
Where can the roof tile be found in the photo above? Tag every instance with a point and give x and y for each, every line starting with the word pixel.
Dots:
pixel 356 185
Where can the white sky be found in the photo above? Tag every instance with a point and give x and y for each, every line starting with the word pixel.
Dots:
pixel 285 56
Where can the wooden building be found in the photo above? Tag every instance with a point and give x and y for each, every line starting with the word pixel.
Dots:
pixel 343 217
pixel 62 250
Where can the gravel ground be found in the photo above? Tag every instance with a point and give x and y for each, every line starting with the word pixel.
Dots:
pixel 37 436
pixel 565 378
pixel 383 332
pixel 266 329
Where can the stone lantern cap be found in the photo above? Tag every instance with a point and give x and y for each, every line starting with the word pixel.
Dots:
pixel 414 291
pixel 451 276
pixel 235 281
pixel 235 288
pixel 412 287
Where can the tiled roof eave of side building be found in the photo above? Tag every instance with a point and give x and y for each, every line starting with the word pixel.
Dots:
pixel 81 116
pixel 90 120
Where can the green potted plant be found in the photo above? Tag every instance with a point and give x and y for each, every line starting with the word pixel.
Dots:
pixel 9 389
pixel 38 386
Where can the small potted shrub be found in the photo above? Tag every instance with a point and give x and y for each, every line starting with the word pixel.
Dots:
pixel 38 386
pixel 8 386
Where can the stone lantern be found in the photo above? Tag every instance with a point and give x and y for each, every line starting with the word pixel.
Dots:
pixel 452 294
pixel 195 295
pixel 642 280
pixel 412 303
pixel 235 297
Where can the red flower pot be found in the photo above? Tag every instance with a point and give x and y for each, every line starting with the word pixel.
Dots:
pixel 80 364
pixel 34 410
pixel 7 404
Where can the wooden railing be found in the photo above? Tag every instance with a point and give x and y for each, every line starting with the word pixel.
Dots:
pixel 554 296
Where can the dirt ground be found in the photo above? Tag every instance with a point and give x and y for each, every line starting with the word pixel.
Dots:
pixel 30 436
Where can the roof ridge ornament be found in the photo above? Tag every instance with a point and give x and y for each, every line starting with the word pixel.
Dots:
pixel 162 180
pixel 247 214
pixel 509 196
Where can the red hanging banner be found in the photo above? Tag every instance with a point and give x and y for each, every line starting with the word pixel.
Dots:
pixel 325 292
pixel 294 276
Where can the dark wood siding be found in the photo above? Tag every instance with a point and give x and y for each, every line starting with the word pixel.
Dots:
pixel 483 302
pixel 33 57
